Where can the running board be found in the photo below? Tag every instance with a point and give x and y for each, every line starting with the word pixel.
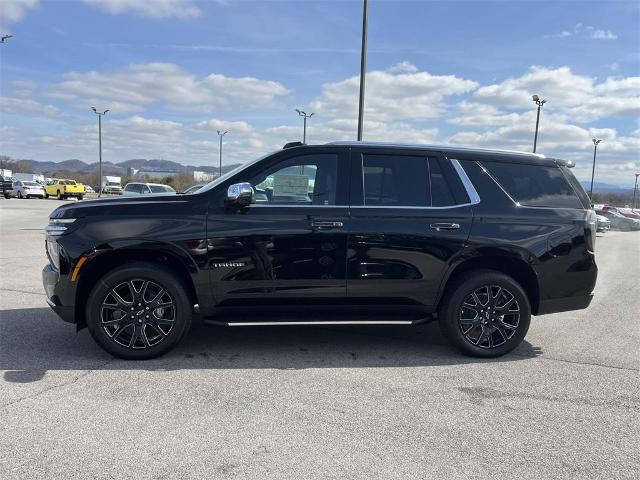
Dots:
pixel 301 323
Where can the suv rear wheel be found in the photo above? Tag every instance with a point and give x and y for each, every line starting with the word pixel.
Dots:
pixel 139 311
pixel 485 314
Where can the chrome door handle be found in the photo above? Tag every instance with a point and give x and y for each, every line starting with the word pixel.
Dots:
pixel 326 225
pixel 444 226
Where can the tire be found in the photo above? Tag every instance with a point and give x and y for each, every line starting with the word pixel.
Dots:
pixel 7 196
pixel 80 197
pixel 163 327
pixel 46 195
pixel 59 195
pixel 481 326
pixel 19 194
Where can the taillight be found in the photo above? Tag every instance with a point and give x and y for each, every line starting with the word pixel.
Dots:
pixel 590 230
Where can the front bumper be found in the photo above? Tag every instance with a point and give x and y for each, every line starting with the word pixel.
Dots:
pixel 50 279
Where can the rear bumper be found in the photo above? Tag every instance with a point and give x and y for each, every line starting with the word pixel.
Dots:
pixel 50 279
pixel 564 304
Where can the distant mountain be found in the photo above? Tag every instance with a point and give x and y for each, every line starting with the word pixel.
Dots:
pixel 601 187
pixel 120 168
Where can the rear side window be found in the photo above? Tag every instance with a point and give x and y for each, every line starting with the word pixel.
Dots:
pixel 535 185
pixel 395 180
pixel 441 194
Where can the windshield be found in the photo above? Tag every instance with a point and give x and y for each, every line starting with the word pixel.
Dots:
pixel 231 173
pixel 30 184
pixel 113 184
pixel 160 188
pixel 67 182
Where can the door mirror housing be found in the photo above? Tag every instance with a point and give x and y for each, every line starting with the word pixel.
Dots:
pixel 239 195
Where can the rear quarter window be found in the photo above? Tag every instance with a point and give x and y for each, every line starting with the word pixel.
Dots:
pixel 535 185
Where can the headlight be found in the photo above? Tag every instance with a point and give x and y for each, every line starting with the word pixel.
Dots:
pixel 53 252
pixel 57 226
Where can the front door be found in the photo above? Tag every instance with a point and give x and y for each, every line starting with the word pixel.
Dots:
pixel 291 241
pixel 410 216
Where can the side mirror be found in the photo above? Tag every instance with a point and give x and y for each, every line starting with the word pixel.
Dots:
pixel 239 195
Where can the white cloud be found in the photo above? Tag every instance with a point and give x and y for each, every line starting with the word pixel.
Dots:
pixel 27 107
pixel 401 92
pixel 585 31
pixel 578 96
pixel 12 11
pixel 142 85
pixel 214 125
pixel 149 8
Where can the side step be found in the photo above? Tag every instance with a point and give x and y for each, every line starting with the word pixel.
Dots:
pixel 313 322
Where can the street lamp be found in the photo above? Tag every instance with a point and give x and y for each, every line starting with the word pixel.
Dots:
pixel 221 134
pixel 304 129
pixel 635 188
pixel 100 115
pixel 5 38
pixel 363 67
pixel 593 170
pixel 540 103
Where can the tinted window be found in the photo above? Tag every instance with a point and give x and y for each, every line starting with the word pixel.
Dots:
pixel 305 179
pixel 160 188
pixel 441 194
pixel 534 185
pixel 133 187
pixel 395 180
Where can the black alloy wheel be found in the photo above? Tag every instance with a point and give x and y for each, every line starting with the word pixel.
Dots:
pixel 139 311
pixel 137 314
pixel 485 313
pixel 489 316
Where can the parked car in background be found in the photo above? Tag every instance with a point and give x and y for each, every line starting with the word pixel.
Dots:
pixel 89 189
pixel 602 223
pixel 351 233
pixel 63 189
pixel 194 189
pixel 619 221
pixel 625 212
pixel 6 186
pixel 27 189
pixel 135 188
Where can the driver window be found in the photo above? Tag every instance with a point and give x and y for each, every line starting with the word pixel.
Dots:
pixel 302 180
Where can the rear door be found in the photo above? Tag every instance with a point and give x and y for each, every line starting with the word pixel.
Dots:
pixel 291 242
pixel 410 217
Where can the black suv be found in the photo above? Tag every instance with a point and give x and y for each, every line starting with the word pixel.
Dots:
pixel 343 233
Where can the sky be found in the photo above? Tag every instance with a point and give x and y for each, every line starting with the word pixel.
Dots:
pixel 173 72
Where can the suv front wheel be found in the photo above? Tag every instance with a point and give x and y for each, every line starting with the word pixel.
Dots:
pixel 139 311
pixel 485 314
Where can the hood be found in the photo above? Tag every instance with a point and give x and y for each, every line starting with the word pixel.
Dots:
pixel 121 205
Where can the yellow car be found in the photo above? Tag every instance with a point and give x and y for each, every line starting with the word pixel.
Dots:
pixel 62 189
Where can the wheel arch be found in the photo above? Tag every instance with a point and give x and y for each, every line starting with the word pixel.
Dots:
pixel 512 265
pixel 104 261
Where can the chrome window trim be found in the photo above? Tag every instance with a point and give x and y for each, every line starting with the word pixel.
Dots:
pixel 474 197
pixel 466 181
pixel 294 205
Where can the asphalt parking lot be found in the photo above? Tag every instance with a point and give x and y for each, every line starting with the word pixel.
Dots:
pixel 356 403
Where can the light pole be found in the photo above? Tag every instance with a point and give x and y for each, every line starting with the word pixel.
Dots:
pixel 635 188
pixel 100 115
pixel 5 38
pixel 593 169
pixel 540 103
pixel 221 134
pixel 304 128
pixel 363 67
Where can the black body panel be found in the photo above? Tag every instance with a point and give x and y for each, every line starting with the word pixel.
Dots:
pixel 340 251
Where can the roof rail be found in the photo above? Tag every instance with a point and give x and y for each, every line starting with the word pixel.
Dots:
pixel 292 144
